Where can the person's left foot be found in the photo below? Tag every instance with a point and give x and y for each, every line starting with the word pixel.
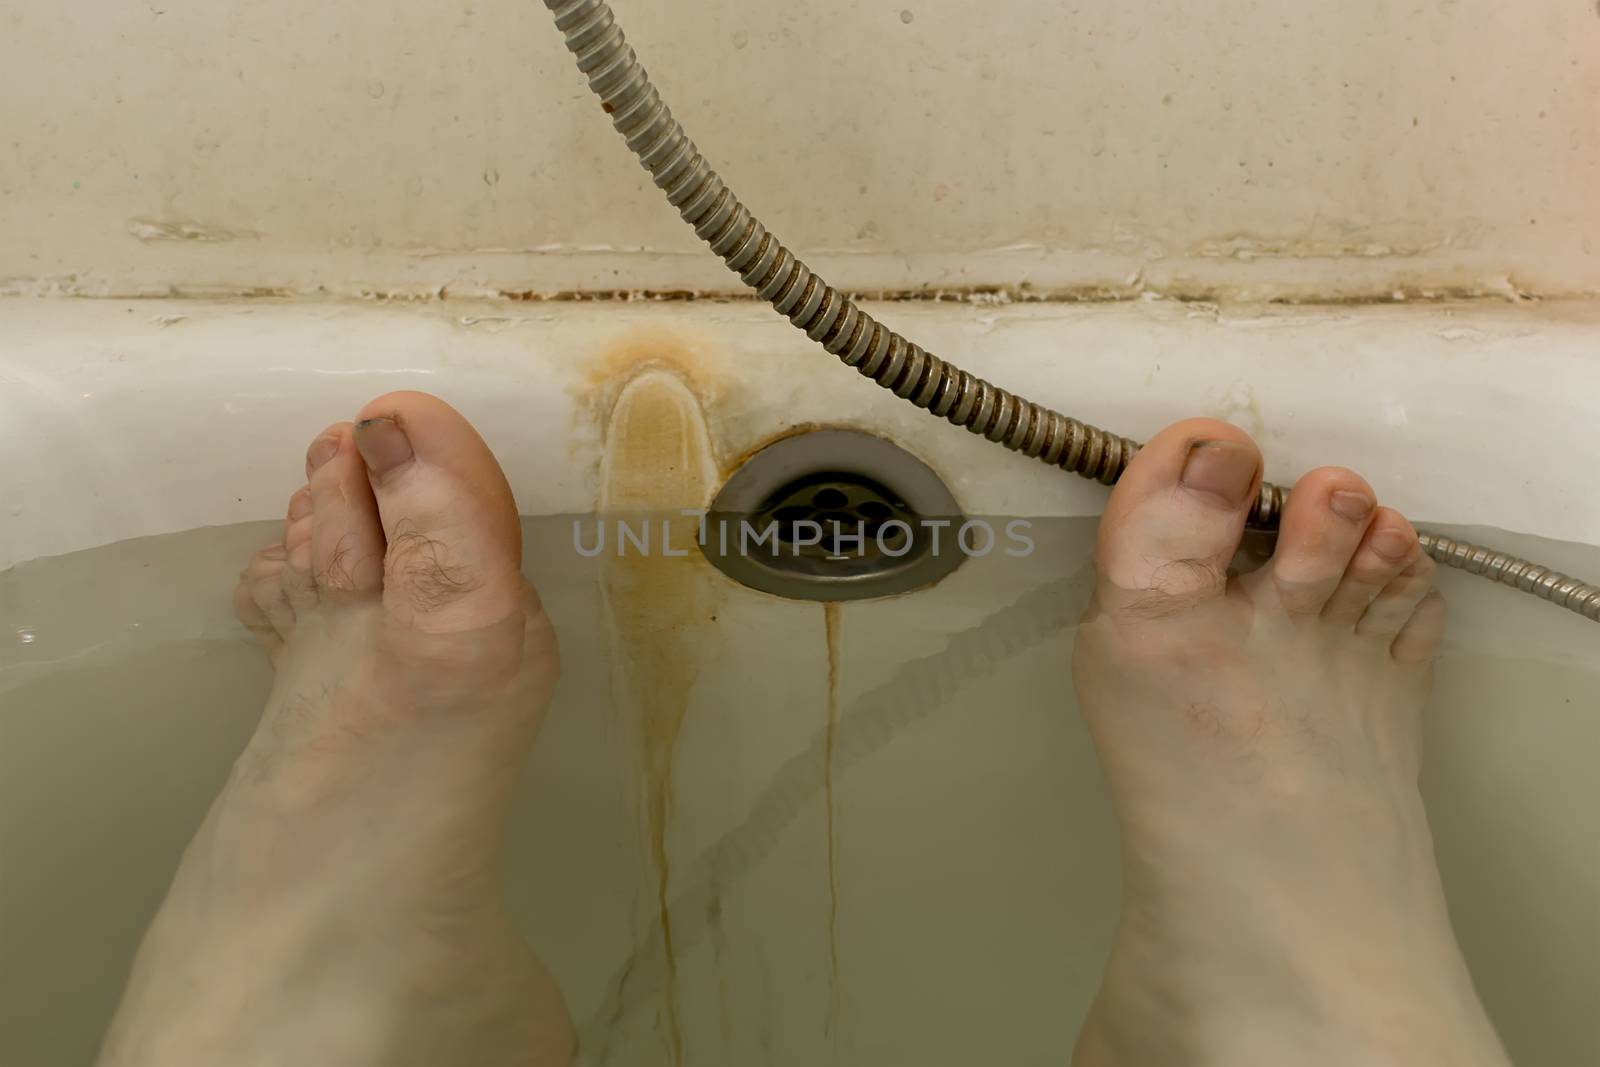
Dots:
pixel 341 905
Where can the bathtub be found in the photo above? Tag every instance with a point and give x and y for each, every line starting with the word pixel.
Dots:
pixel 936 885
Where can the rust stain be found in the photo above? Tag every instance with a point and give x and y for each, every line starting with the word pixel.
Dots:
pixel 1439 289
pixel 830 614
pixel 626 296
pixel 1433 288
pixel 657 461
pixel 698 365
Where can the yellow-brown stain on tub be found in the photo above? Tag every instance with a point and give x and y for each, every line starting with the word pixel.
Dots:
pixel 661 604
pixel 697 362
pixel 702 364
pixel 830 616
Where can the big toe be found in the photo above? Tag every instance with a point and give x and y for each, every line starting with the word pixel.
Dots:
pixel 454 558
pixel 1175 518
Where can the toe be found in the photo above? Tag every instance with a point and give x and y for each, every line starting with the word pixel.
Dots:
pixel 262 584
pixel 454 557
pixel 1176 516
pixel 1391 610
pixel 1387 549
pixel 1419 639
pixel 1324 521
pixel 346 545
pixel 298 587
pixel 254 619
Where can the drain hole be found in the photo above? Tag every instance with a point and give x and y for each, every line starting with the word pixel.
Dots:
pixel 830 499
pixel 821 514
pixel 832 515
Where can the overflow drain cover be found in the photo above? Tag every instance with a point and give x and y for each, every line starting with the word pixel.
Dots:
pixel 833 515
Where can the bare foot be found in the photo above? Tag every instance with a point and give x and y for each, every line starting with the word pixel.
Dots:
pixel 341 904
pixel 1261 736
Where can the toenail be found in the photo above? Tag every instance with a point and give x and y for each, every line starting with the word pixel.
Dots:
pixel 300 506
pixel 383 444
pixel 322 450
pixel 274 552
pixel 1223 470
pixel 1352 505
pixel 1394 545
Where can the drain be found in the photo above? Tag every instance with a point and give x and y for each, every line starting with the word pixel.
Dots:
pixel 833 515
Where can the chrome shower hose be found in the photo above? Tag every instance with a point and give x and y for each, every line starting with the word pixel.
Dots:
pixel 907 369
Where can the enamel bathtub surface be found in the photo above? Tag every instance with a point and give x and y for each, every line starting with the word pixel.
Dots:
pixel 123 419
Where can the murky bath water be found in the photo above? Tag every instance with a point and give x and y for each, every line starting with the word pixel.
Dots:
pixel 882 837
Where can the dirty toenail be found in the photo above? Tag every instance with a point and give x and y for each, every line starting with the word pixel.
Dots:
pixel 322 450
pixel 383 445
pixel 300 505
pixel 1222 470
pixel 1394 545
pixel 1352 505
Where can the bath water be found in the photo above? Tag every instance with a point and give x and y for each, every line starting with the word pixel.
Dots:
pixel 893 846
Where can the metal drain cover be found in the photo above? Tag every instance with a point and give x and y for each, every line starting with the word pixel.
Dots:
pixel 833 515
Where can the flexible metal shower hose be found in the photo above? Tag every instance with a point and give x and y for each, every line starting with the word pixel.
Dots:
pixel 860 341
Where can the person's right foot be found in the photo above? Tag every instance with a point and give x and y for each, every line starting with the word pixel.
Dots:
pixel 1261 736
